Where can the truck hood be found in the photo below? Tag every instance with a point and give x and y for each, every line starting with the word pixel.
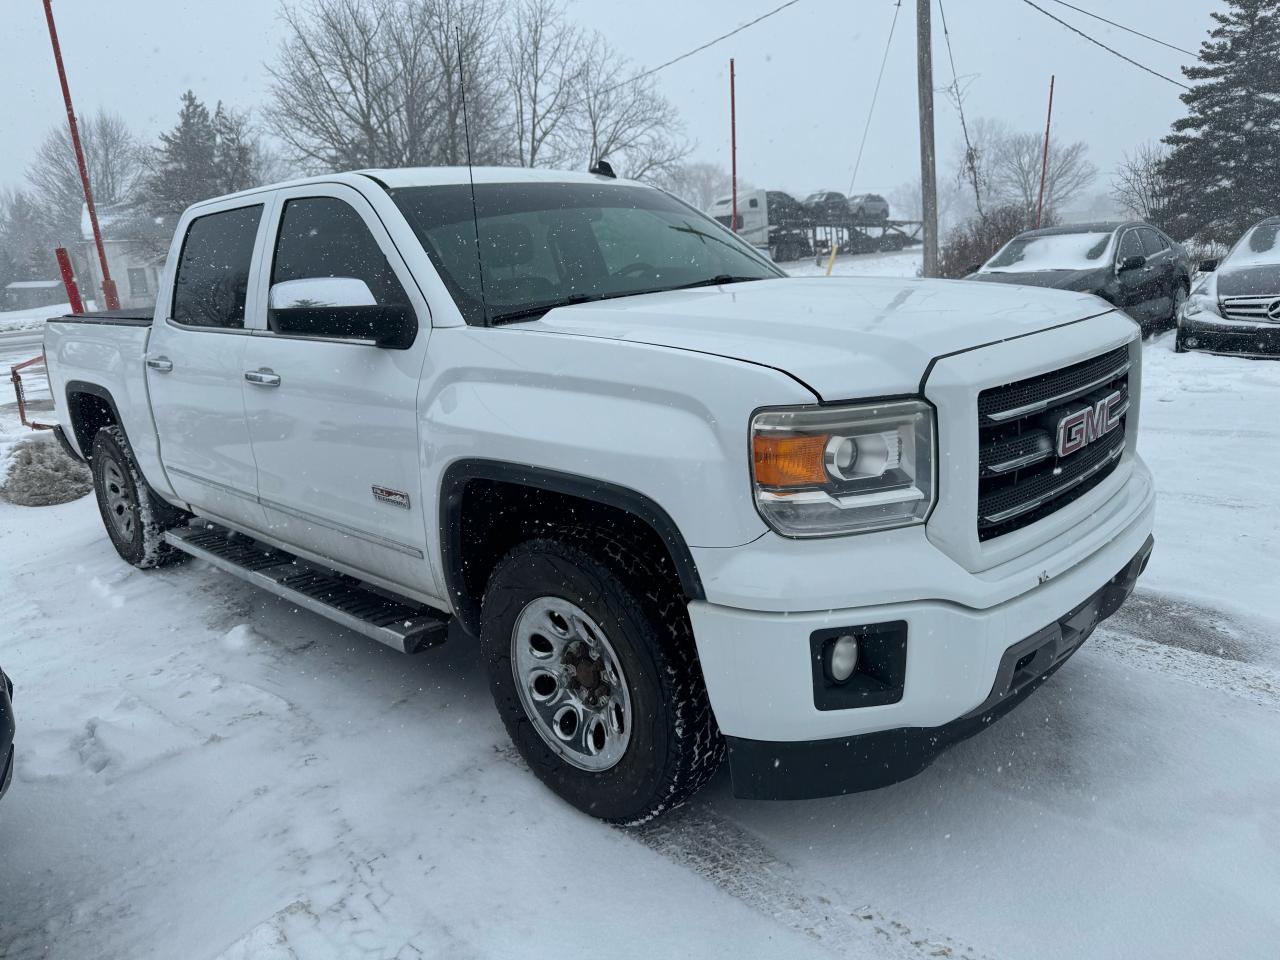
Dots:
pixel 844 337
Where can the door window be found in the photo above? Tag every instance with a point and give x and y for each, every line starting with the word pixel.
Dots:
pixel 1130 246
pixel 324 237
pixel 213 269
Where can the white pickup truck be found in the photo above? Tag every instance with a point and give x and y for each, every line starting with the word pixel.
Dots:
pixel 685 504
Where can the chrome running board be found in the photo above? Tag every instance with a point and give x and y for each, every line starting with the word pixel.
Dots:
pixel 399 623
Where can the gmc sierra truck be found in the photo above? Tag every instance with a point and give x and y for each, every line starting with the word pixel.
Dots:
pixel 685 504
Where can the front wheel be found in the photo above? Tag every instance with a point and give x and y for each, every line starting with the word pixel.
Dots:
pixel 1180 294
pixel 594 672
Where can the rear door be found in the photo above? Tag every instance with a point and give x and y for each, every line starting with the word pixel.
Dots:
pixel 1163 270
pixel 333 421
pixel 195 364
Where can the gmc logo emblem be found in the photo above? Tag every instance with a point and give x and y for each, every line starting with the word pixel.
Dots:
pixel 1077 430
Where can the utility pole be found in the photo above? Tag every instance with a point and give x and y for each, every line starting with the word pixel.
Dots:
pixel 1044 164
pixel 928 165
pixel 733 147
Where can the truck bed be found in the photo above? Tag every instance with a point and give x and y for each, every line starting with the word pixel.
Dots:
pixel 137 317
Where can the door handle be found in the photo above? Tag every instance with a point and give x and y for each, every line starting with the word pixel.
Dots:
pixel 162 364
pixel 263 377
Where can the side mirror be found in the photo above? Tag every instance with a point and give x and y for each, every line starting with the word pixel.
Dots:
pixel 1132 263
pixel 972 269
pixel 1208 265
pixel 340 308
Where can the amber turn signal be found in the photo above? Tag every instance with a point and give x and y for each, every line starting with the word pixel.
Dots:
pixel 795 461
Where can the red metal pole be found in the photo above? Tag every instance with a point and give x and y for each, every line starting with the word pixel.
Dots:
pixel 1044 164
pixel 69 280
pixel 733 146
pixel 108 285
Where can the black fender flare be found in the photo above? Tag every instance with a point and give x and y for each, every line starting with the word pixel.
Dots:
pixel 453 483
pixel 74 387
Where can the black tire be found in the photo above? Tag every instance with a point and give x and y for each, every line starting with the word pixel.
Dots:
pixel 675 745
pixel 1178 345
pixel 134 516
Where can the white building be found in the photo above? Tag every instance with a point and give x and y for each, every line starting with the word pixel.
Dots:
pixel 135 246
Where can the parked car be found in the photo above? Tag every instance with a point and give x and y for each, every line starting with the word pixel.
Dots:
pixel 768 220
pixel 1236 307
pixel 869 207
pixel 6 732
pixel 654 479
pixel 1131 265
pixel 827 207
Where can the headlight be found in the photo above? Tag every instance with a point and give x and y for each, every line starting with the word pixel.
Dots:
pixel 1199 303
pixel 820 471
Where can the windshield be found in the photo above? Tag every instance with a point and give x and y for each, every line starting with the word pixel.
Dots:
pixel 1259 247
pixel 544 245
pixel 1056 251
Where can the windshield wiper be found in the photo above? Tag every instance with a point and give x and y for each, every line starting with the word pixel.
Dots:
pixel 528 313
pixel 715 281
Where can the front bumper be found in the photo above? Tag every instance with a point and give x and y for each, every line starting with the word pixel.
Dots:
pixel 800 770
pixel 1219 335
pixel 6 733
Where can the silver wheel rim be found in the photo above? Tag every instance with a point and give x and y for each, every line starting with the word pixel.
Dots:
pixel 571 684
pixel 122 508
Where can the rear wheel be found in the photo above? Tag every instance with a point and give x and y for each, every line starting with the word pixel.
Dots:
pixel 135 517
pixel 594 672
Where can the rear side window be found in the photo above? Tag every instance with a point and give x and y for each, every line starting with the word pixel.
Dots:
pixel 213 270
pixel 325 237
pixel 1152 243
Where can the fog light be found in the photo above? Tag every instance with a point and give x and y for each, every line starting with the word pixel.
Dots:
pixel 844 658
pixel 1193 342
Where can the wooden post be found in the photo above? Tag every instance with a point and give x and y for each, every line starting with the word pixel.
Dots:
pixel 733 147
pixel 1044 164
pixel 928 164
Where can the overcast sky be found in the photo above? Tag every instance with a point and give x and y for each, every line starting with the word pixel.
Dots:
pixel 805 76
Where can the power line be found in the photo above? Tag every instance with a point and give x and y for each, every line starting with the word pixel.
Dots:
pixel 698 49
pixel 969 158
pixel 1121 26
pixel 876 93
pixel 1110 50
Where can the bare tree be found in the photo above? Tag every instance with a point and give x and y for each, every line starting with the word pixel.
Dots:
pixel 543 66
pixel 700 184
pixel 1016 166
pixel 627 121
pixel 376 82
pixel 115 162
pixel 471 26
pixel 1139 186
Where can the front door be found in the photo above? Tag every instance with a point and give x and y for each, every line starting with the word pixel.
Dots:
pixel 333 421
pixel 1139 286
pixel 195 367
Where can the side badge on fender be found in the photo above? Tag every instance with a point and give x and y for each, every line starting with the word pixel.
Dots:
pixel 397 498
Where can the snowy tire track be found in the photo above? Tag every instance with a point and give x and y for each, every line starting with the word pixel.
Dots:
pixel 1244 680
pixel 739 864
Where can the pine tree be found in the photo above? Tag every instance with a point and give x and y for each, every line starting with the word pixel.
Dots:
pixel 235 151
pixel 184 169
pixel 1224 166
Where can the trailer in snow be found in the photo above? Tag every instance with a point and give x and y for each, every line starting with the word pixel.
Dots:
pixel 790 230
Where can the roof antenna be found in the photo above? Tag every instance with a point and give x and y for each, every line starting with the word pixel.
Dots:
pixel 475 219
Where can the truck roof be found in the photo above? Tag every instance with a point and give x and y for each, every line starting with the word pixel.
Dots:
pixel 395 177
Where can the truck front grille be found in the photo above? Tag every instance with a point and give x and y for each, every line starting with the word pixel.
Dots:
pixel 1021 476
pixel 1264 309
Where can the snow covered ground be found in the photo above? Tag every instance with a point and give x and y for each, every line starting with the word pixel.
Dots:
pixel 207 772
